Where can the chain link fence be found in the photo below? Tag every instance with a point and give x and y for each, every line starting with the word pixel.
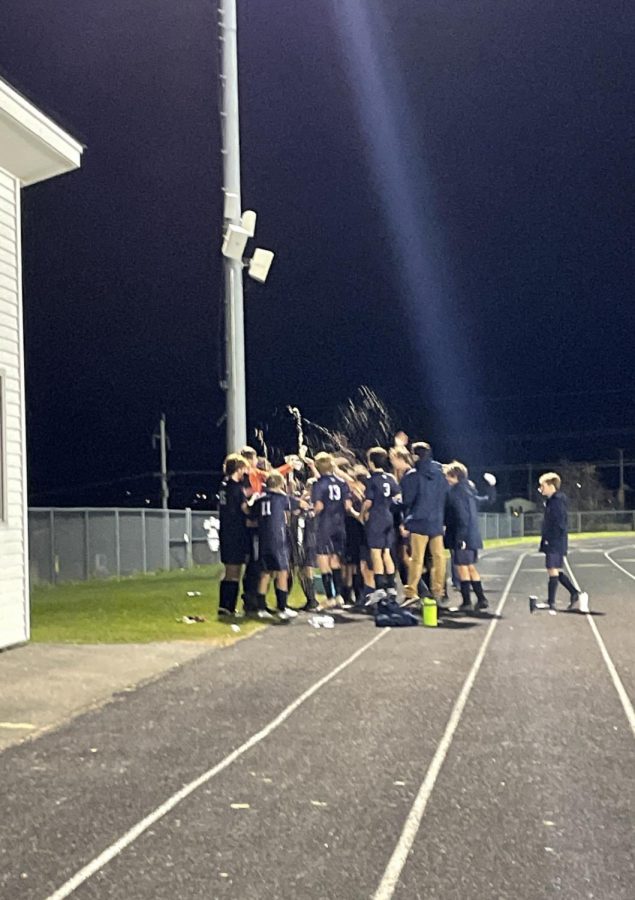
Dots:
pixel 80 544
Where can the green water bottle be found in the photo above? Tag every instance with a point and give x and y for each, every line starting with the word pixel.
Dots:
pixel 429 608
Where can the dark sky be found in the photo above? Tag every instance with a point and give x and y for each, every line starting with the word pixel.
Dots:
pixel 515 127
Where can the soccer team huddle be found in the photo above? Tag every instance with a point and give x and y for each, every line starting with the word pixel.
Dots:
pixel 358 525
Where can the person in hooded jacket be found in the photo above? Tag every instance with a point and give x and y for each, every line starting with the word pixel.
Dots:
pixel 423 491
pixel 463 535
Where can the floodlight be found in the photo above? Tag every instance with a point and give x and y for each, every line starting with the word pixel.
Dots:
pixel 231 207
pixel 235 242
pixel 248 222
pixel 260 264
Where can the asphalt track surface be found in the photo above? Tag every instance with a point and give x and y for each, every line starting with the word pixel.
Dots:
pixel 489 758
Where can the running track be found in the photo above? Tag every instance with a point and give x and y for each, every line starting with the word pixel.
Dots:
pixel 492 758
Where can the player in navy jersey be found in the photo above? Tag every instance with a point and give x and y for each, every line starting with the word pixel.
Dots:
pixel 271 510
pixel 382 491
pixel 234 536
pixel 331 498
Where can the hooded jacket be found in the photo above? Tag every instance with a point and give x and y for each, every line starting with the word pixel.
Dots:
pixel 555 525
pixel 423 491
pixel 461 518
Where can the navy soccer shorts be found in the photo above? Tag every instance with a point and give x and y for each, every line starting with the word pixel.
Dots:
pixel 554 560
pixel 465 557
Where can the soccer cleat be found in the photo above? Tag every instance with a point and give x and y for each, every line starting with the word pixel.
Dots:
pixel 224 612
pixel 465 608
pixel 574 601
pixel 289 613
pixel 533 601
pixel 482 604
pixel 309 606
pixel 408 601
pixel 264 614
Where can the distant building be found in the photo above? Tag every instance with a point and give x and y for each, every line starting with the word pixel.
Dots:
pixel 32 149
pixel 519 505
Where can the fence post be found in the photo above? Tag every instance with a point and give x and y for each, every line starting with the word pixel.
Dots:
pixel 189 558
pixel 117 543
pixel 498 526
pixel 86 547
pixel 144 541
pixel 166 540
pixel 579 522
pixel 52 546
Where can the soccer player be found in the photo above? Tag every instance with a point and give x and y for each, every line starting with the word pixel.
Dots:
pixel 234 535
pixel 423 490
pixel 331 498
pixel 270 510
pixel 382 491
pixel 463 535
pixel 554 541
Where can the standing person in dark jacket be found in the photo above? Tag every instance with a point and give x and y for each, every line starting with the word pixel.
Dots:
pixel 423 491
pixel 554 541
pixel 463 535
pixel 234 536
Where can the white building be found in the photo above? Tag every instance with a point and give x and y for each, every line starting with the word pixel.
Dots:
pixel 32 149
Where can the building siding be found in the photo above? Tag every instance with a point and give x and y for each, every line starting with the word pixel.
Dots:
pixel 14 617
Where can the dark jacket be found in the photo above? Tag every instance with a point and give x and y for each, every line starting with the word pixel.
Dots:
pixel 423 491
pixel 461 518
pixel 555 525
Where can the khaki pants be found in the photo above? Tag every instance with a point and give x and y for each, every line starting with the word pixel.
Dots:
pixel 418 544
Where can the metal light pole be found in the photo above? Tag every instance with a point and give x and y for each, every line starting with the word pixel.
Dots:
pixel 236 403
pixel 622 486
pixel 163 441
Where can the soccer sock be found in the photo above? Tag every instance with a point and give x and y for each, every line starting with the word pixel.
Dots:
pixel 327 581
pixel 346 593
pixel 281 598
pixel 337 581
pixel 358 586
pixel 403 572
pixel 380 581
pixel 228 595
pixel 553 587
pixel 567 583
pixel 465 592
pixel 308 588
pixel 261 601
pixel 478 590
pixel 389 581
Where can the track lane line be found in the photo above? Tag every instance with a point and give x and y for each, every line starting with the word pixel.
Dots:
pixel 607 553
pixel 610 665
pixel 399 857
pixel 137 830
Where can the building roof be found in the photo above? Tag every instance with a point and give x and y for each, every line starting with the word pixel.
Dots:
pixel 32 146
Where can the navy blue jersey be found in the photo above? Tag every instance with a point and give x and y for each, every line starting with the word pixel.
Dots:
pixel 270 511
pixel 381 488
pixel 332 492
pixel 231 496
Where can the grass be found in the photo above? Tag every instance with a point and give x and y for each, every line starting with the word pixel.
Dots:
pixel 140 609
pixel 146 608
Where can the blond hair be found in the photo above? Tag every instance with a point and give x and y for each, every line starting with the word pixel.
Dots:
pixel 456 469
pixel 551 478
pixel 275 481
pixel 324 463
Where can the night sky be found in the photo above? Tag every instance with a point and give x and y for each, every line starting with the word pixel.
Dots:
pixel 447 186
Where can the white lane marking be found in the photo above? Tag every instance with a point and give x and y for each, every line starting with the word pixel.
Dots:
pixel 615 563
pixel 398 859
pixel 137 830
pixel 610 665
pixel 592 566
pixel 19 726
